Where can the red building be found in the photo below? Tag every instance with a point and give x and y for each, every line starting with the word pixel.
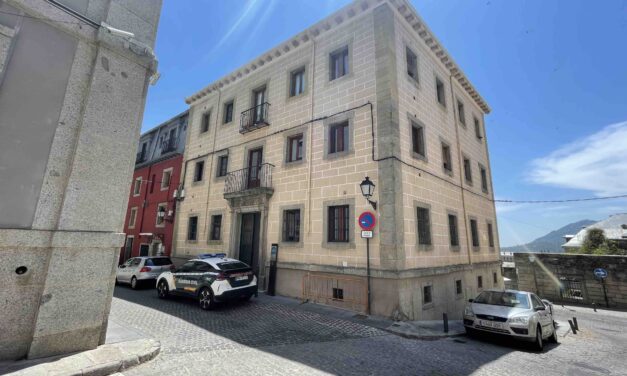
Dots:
pixel 149 222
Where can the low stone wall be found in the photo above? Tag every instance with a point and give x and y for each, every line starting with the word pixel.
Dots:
pixel 569 278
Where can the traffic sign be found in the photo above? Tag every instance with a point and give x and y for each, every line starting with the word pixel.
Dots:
pixel 366 234
pixel 367 221
pixel 600 273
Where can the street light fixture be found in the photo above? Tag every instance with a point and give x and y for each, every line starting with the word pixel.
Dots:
pixel 367 189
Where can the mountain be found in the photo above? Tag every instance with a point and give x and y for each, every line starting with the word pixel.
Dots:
pixel 552 241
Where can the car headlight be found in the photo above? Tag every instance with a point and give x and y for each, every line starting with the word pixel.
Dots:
pixel 524 320
pixel 468 311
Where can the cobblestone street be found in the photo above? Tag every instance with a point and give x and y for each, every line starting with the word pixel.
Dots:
pixel 277 336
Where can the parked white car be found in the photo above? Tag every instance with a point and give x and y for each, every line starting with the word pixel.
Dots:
pixel 518 314
pixel 143 269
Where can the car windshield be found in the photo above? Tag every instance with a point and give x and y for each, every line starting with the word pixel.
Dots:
pixel 503 298
pixel 233 265
pixel 161 261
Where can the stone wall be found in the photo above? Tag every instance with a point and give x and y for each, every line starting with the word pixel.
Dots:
pixel 569 278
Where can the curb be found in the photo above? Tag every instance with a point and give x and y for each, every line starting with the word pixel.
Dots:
pixel 425 337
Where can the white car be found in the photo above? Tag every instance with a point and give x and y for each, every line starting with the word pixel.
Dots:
pixel 142 269
pixel 518 314
pixel 210 278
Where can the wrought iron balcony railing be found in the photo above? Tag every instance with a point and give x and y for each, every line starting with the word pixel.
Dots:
pixel 254 118
pixel 168 145
pixel 249 178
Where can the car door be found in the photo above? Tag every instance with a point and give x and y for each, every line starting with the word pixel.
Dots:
pixel 124 271
pixel 133 269
pixel 182 276
pixel 544 317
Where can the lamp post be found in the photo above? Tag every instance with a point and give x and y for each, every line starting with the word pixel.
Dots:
pixel 367 189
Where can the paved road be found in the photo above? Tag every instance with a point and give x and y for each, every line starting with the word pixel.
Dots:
pixel 270 336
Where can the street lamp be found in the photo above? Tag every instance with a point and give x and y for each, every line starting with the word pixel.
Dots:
pixel 367 189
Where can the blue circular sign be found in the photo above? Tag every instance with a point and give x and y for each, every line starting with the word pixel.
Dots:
pixel 367 221
pixel 600 273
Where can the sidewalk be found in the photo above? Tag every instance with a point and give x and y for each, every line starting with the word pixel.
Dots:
pixel 124 348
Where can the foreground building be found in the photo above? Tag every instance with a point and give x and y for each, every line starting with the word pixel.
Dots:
pixel 276 151
pixel 151 208
pixel 72 95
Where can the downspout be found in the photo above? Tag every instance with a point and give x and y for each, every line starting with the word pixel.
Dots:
pixel 210 169
pixel 311 130
pixel 461 168
pixel 144 203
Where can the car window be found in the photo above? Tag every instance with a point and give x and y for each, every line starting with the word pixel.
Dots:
pixel 185 268
pixel 232 265
pixel 160 261
pixel 503 298
pixel 129 262
pixel 536 302
pixel 202 267
pixel 136 261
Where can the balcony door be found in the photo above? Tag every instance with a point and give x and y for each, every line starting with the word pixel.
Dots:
pixel 259 98
pixel 255 157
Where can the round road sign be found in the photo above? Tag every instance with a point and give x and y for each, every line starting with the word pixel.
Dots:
pixel 367 221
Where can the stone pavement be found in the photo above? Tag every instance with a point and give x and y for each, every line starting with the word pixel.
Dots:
pixel 280 336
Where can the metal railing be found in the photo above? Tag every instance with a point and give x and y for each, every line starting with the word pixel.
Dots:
pixel 168 145
pixel 254 118
pixel 249 178
pixel 346 292
pixel 140 157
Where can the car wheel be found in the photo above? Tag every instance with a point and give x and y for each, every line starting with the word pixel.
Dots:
pixel 134 283
pixel 205 299
pixel 539 344
pixel 553 337
pixel 162 289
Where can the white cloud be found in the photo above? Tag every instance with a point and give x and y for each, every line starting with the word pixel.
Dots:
pixel 597 163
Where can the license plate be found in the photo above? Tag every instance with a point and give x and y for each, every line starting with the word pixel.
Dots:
pixel 492 324
pixel 242 278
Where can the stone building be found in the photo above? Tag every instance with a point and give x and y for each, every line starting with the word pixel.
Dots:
pixel 149 222
pixel 276 151
pixel 72 94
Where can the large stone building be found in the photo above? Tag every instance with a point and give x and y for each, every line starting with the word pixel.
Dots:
pixel 149 223
pixel 276 151
pixel 72 94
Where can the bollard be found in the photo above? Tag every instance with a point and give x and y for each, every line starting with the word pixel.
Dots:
pixel 445 319
pixel 575 322
pixel 572 326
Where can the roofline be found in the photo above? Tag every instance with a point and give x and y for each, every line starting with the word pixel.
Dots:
pixel 186 112
pixel 350 11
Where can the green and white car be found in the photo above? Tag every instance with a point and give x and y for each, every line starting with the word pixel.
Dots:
pixel 210 278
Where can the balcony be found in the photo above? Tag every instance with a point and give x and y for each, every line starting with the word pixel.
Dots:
pixel 252 181
pixel 254 118
pixel 168 145
pixel 140 158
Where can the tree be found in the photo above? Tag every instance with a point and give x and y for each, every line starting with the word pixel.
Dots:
pixel 596 243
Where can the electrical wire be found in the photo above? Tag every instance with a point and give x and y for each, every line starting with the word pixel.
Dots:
pixel 43 19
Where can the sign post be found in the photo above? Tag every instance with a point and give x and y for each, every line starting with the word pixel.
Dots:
pixel 601 274
pixel 367 221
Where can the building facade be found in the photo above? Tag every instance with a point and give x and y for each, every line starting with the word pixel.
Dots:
pixel 151 208
pixel 276 151
pixel 72 96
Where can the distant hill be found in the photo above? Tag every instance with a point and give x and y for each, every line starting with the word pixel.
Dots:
pixel 552 241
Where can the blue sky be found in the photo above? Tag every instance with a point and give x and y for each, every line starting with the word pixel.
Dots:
pixel 554 73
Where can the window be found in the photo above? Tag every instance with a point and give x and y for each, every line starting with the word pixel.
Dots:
pixel 458 287
pixel 338 64
pixel 474 233
pixel 204 124
pixel 495 278
pixel 297 82
pixel 418 139
pixel 192 228
pixel 223 165
pixel 447 161
pixel 161 212
pixel 427 297
pixel 439 90
pixel 338 138
pixel 479 282
pixel 338 224
pixel 291 225
pixel 228 112
pixel 490 235
pixel 132 217
pixel 216 227
pixel 166 176
pixel 137 186
pixel 484 178
pixel 461 113
pixel 295 148
pixel 467 170
pixel 412 64
pixel 199 169
pixel 424 226
pixel 452 230
pixel 477 128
